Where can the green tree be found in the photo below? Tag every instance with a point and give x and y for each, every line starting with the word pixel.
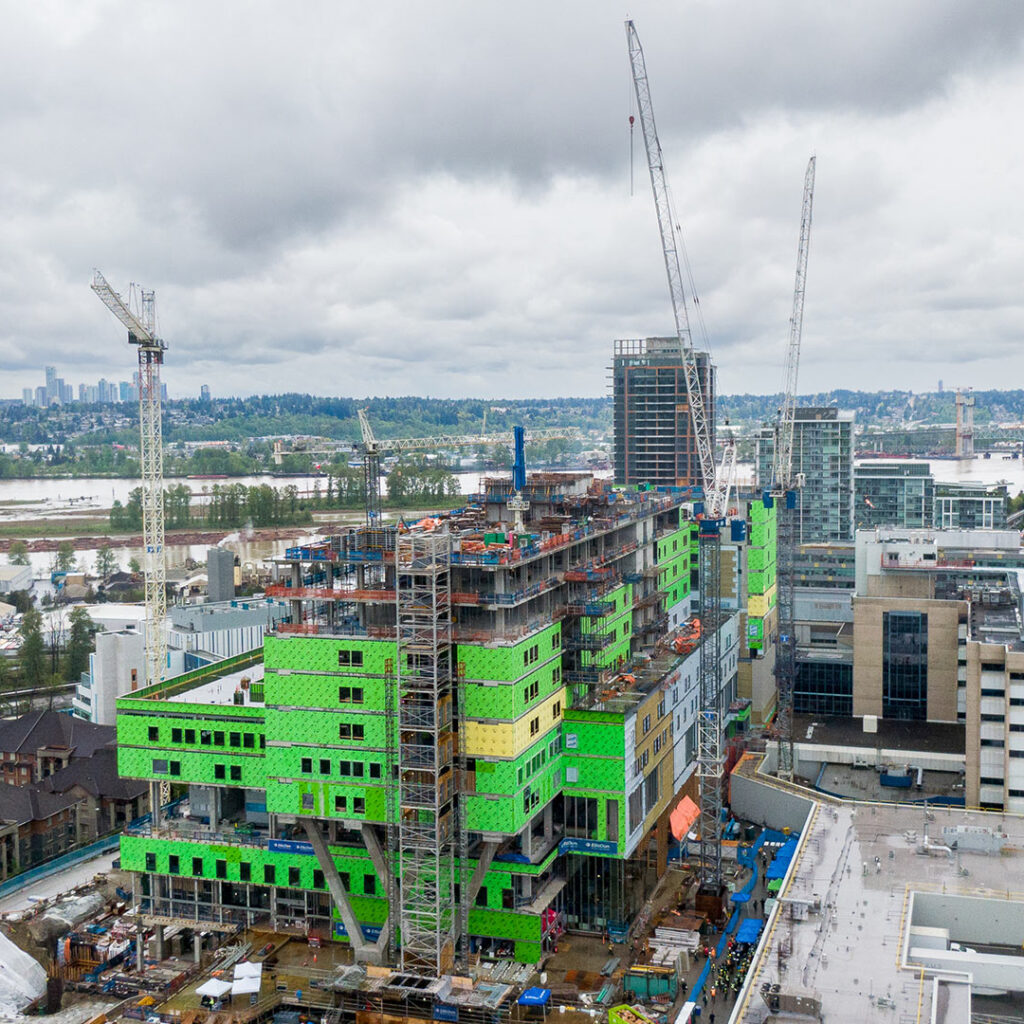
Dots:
pixel 31 658
pixel 65 556
pixel 17 553
pixel 80 643
pixel 106 561
pixel 134 566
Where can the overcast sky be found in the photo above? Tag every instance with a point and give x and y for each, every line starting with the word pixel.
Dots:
pixel 434 199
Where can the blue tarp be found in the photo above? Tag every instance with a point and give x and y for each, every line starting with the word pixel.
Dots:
pixel 750 929
pixel 780 864
pixel 534 997
pixel 740 897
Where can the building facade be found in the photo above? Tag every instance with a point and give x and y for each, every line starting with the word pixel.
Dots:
pixel 466 737
pixel 969 506
pixel 220 574
pixel 994 703
pixel 893 492
pixel 654 441
pixel 823 454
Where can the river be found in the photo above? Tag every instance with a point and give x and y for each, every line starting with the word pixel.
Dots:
pixel 56 497
pixel 63 498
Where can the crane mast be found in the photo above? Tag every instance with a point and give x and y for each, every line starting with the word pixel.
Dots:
pixel 673 267
pixel 783 457
pixel 785 485
pixel 142 332
pixel 716 493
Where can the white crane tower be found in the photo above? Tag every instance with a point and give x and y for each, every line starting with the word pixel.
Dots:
pixel 142 332
pixel 716 482
pixel 784 486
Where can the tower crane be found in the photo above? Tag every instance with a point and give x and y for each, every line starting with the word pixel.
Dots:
pixel 371 449
pixel 716 482
pixel 784 487
pixel 142 332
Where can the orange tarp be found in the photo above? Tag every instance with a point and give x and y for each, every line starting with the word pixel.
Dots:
pixel 685 814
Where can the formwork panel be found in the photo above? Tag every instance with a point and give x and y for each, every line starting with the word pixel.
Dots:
pixel 320 654
pixel 513 661
pixel 327 727
pixel 507 701
pixel 190 766
pixel 510 740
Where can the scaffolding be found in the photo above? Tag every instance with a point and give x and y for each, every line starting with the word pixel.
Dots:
pixel 785 653
pixel 709 719
pixel 461 775
pixel 391 800
pixel 426 754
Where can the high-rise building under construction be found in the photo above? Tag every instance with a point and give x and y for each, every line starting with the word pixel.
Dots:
pixel 654 442
pixel 468 737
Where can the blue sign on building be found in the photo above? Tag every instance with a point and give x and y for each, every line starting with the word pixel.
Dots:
pixel 601 846
pixel 290 846
pixel 445 1011
pixel 371 932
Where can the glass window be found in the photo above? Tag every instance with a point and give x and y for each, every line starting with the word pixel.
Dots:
pixel 823 688
pixel 905 665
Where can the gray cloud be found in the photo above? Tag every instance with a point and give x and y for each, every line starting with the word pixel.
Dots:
pixel 427 199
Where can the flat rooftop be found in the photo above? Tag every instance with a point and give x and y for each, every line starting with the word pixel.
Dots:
pixel 926 737
pixel 866 783
pixel 862 864
pixel 222 689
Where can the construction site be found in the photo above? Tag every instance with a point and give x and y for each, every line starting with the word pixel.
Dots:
pixel 533 755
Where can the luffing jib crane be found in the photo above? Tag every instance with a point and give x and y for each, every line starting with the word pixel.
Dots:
pixel 142 332
pixel 716 483
pixel 784 487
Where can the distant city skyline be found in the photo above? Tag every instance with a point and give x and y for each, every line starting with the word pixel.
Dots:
pixel 56 391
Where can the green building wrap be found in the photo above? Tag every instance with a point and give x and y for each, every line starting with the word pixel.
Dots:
pixel 312 745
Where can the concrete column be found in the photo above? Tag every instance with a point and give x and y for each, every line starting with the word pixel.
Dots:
pixel 197 947
pixel 549 823
pixel 526 840
pixel 158 935
pixel 154 803
pixel 140 946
